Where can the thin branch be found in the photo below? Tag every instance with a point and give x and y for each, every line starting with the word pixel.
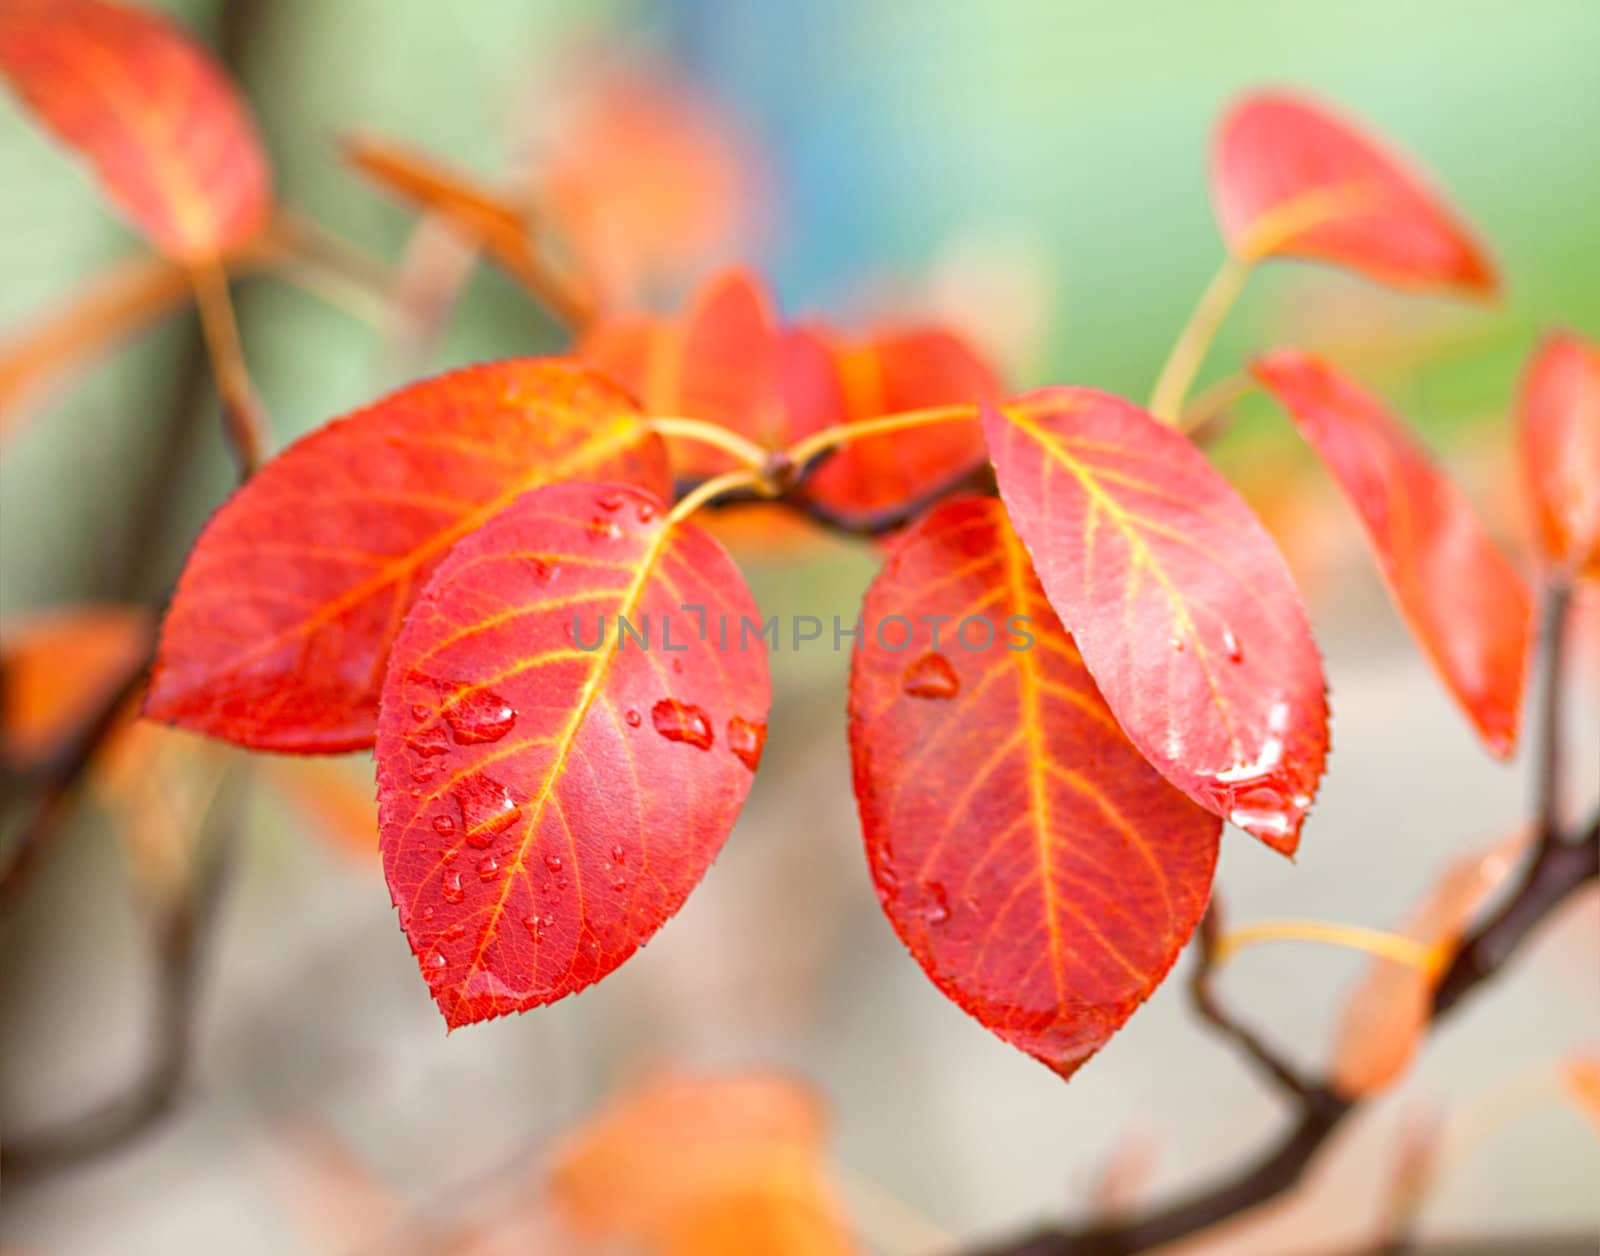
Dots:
pixel 182 937
pixel 1559 867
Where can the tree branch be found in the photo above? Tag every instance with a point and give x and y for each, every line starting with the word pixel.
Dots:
pixel 1559 866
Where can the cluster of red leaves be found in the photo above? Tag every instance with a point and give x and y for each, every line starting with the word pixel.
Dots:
pixel 1125 662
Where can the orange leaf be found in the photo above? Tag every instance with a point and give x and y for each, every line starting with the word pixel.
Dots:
pixel 1465 603
pixel 547 801
pixel 172 140
pixel 58 669
pixel 278 631
pixel 1558 432
pixel 906 370
pixel 1581 1074
pixel 339 803
pixel 1186 615
pixel 1385 1017
pixel 704 1166
pixel 1041 872
pixel 1291 178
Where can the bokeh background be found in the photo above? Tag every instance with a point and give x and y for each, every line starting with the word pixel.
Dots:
pixel 1033 171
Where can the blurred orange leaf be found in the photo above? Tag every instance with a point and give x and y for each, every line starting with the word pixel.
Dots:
pixel 1385 1017
pixel 1581 1075
pixel 341 804
pixel 171 138
pixel 1558 431
pixel 58 669
pixel 689 1165
pixel 1290 177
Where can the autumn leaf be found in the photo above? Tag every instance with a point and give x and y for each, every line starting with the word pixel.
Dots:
pixel 689 1165
pixel 1558 437
pixel 173 142
pixel 896 371
pixel 1041 872
pixel 547 800
pixel 1386 1016
pixel 58 671
pixel 726 361
pixel 1184 611
pixel 1580 1074
pixel 1468 607
pixel 1291 178
pixel 277 634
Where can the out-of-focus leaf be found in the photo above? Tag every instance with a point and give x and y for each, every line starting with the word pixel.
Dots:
pixel 548 799
pixel 1184 610
pixel 1386 1015
pixel 169 135
pixel 1581 1076
pixel 1468 607
pixel 339 803
pixel 277 634
pixel 58 669
pixel 1291 178
pixel 1558 434
pixel 704 1166
pixel 896 371
pixel 1043 874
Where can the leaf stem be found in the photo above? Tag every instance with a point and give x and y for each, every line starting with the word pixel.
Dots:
pixel 728 482
pixel 821 442
pixel 1395 946
pixel 1189 351
pixel 745 450
pixel 244 421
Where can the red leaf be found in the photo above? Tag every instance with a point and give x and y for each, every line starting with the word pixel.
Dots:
pixel 277 634
pixel 1187 617
pixel 544 808
pixel 1558 429
pixel 909 370
pixel 1465 603
pixel 1290 178
pixel 171 138
pixel 1043 874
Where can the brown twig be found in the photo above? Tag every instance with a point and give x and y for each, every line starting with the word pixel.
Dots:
pixel 1559 866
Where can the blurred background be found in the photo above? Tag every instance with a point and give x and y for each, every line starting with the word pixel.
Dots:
pixel 1030 172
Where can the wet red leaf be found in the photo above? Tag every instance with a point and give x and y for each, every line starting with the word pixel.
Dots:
pixel 1558 431
pixel 897 371
pixel 544 808
pixel 277 633
pixel 1291 178
pixel 171 138
pixel 1043 874
pixel 1184 610
pixel 1466 604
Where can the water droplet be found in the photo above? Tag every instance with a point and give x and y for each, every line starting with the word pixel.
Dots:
pixel 1230 643
pixel 488 868
pixel 427 913
pixel 619 879
pixel 553 862
pixel 603 529
pixel 454 932
pixel 647 512
pixel 443 825
pixel 931 676
pixel 746 740
pixel 531 924
pixel 428 742
pixel 937 909
pixel 678 721
pixel 634 719
pixel 450 888
pixel 610 500
pixel 433 965
pixel 422 773
pixel 618 854
pixel 1177 644
pixel 479 715
pixel 677 666
pixel 539 571
pixel 487 809
pixel 419 712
